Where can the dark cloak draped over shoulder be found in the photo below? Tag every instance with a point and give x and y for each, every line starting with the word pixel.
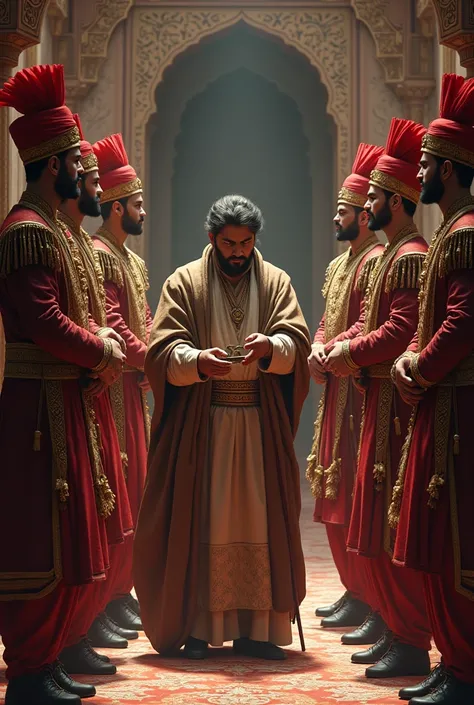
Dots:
pixel 167 536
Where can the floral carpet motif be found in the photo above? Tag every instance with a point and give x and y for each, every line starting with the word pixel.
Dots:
pixel 323 675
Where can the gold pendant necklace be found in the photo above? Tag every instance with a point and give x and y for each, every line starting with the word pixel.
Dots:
pixel 237 298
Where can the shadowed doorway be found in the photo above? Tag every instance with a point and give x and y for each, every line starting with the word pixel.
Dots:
pixel 257 126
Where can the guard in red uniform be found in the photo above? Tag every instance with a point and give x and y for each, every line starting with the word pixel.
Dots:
pixel 54 496
pixel 333 460
pixel 371 346
pixel 433 498
pixel 126 282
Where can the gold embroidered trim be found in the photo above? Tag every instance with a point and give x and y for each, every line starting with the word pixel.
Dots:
pixel 381 370
pixel 417 376
pixel 365 273
pixel 447 150
pixel 405 272
pixel 89 163
pixel 397 493
pixel 382 432
pixel 441 443
pixel 28 243
pixel 346 354
pixel 59 144
pixel 235 393
pixel 351 197
pixel 314 470
pixel 458 251
pixel 390 183
pixel 117 402
pixel 110 267
pixel 117 192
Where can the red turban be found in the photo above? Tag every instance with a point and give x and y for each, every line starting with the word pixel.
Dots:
pixel 47 126
pixel 397 169
pixel 117 177
pixel 451 136
pixel 88 158
pixel 355 187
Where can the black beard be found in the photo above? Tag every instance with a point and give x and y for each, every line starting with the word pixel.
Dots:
pixel 432 191
pixel 89 205
pixel 233 270
pixel 130 226
pixel 350 233
pixel 65 186
pixel 379 221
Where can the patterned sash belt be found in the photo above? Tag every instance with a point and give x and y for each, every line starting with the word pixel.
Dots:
pixel 462 375
pixel 380 371
pixel 226 392
pixel 28 361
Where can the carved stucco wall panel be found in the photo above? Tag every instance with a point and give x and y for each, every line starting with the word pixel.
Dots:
pixel 323 35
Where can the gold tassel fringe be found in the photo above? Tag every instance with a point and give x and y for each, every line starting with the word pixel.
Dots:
pixel 436 482
pixel 63 488
pixel 315 477
pixel 379 475
pixel 458 251
pixel 111 268
pixel 124 457
pixel 105 498
pixel 397 493
pixel 405 272
pixel 28 244
pixel 333 478
pixel 365 272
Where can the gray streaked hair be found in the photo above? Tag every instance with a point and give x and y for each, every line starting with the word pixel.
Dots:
pixel 234 210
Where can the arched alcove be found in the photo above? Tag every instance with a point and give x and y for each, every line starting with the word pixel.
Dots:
pixel 243 112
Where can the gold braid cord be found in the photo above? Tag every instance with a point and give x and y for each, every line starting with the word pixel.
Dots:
pixel 339 284
pixel 397 493
pixel 28 243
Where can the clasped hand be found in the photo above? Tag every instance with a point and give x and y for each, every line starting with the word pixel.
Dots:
pixel 409 390
pixel 213 363
pixel 324 359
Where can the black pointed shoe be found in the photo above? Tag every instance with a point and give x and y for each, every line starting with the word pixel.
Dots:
pixel 133 603
pixel 123 614
pixel 375 652
pixel 101 637
pixel 401 660
pixel 350 614
pixel 451 691
pixel 64 680
pixel 258 649
pixel 435 679
pixel 368 633
pixel 81 658
pixel 195 649
pixel 38 689
pixel 128 634
pixel 330 609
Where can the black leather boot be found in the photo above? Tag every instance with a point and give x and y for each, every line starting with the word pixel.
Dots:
pixel 64 680
pixel 368 633
pixel 38 689
pixel 330 609
pixel 374 653
pixel 123 614
pixel 435 679
pixel 401 660
pixel 195 649
pixel 81 658
pixel 451 691
pixel 259 649
pixel 133 604
pixel 101 637
pixel 350 614
pixel 128 634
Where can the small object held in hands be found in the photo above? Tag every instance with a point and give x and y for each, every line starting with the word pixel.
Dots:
pixel 235 354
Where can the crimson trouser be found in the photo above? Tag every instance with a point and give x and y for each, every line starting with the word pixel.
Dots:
pixel 348 564
pixel 93 599
pixel 400 597
pixel 452 620
pixel 35 631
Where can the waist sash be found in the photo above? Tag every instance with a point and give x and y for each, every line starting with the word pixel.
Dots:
pixel 226 392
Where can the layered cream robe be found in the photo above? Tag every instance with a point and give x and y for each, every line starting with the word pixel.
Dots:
pixel 235 595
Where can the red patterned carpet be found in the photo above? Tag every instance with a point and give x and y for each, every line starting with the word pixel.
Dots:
pixel 321 676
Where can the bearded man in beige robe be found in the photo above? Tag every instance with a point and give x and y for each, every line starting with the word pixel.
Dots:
pixel 218 552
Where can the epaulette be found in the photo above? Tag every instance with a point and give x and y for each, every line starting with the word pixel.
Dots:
pixel 329 271
pixel 111 267
pixel 28 243
pixel 405 272
pixel 365 272
pixel 457 251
